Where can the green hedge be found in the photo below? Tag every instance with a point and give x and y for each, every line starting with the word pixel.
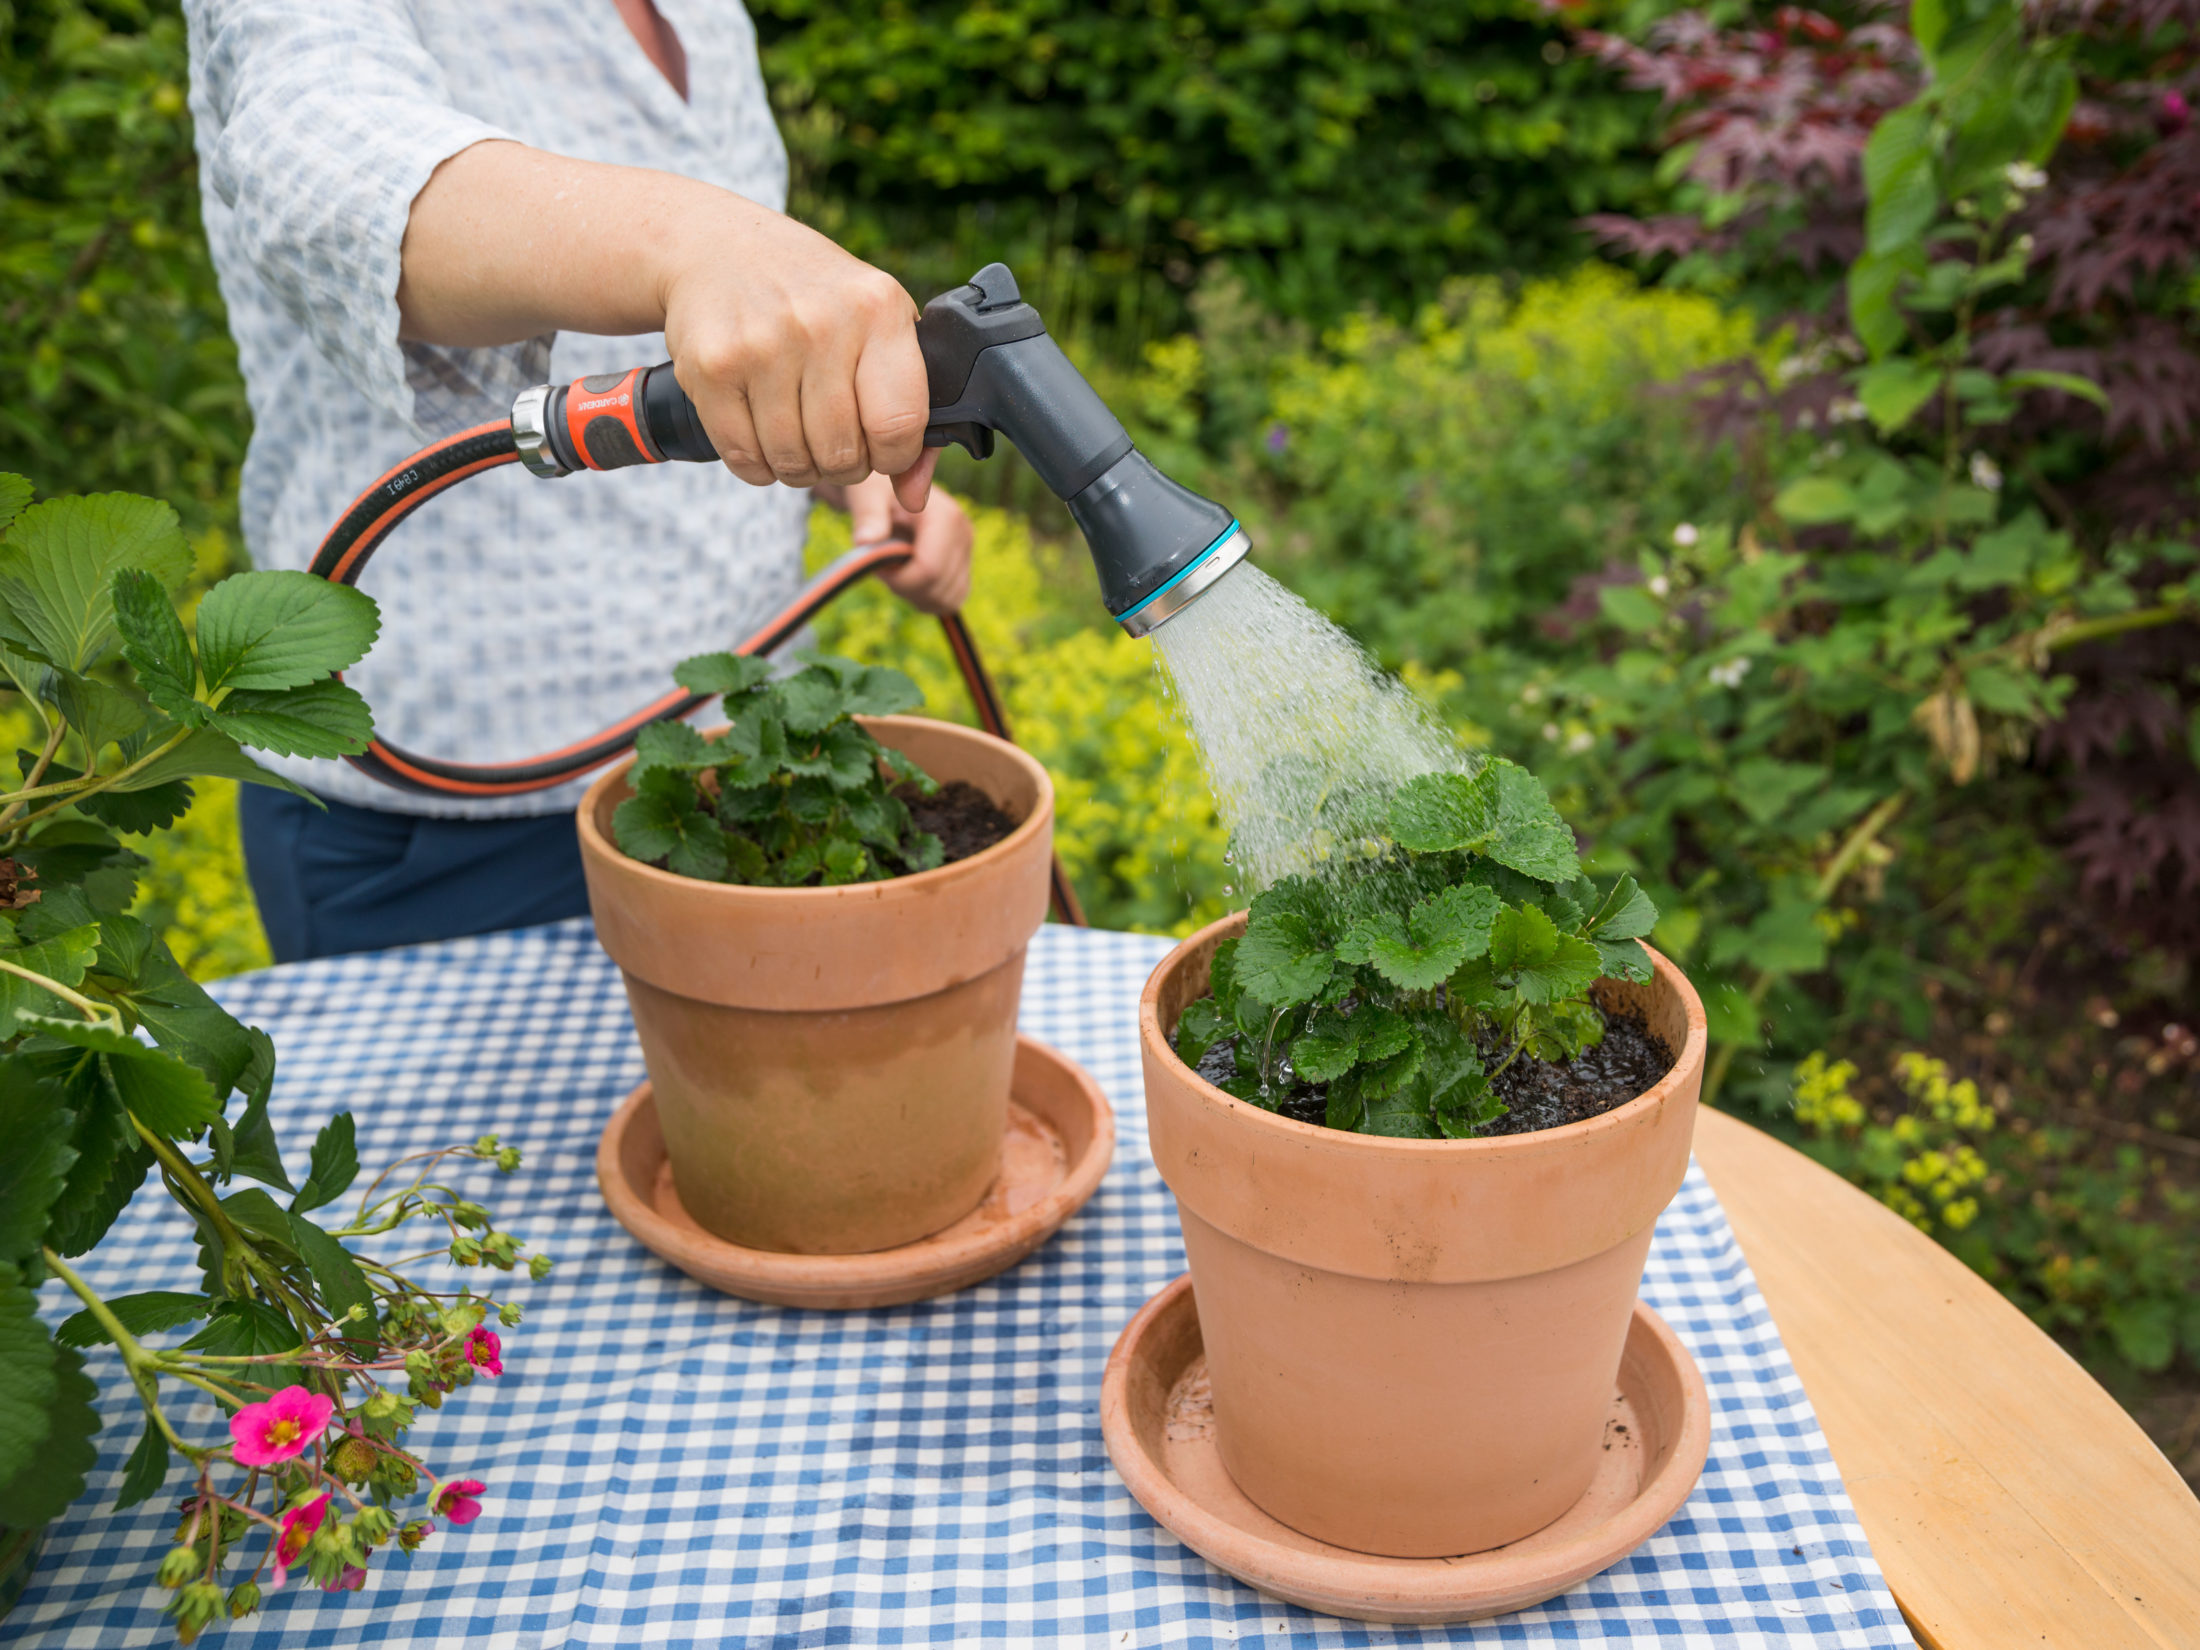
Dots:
pixel 113 343
pixel 1331 152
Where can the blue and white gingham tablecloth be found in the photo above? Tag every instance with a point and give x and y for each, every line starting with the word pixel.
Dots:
pixel 669 1466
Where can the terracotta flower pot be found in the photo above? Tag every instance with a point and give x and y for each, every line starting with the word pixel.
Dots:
pixel 1413 1343
pixel 832 1064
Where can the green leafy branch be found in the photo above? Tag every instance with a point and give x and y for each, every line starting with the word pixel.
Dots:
pixel 114 1062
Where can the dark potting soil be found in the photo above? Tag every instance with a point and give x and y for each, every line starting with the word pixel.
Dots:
pixel 1538 1094
pixel 1544 1095
pixel 963 817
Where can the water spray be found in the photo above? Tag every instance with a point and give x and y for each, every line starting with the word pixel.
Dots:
pixel 1157 547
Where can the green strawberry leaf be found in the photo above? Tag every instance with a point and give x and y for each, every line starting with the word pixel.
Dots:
pixel 250 1329
pixel 333 1166
pixel 273 630
pixel 673 744
pixel 1625 913
pixel 30 1382
pixel 878 690
pixel 58 564
pixel 1202 1025
pixel 153 641
pixel 845 862
pixel 55 1473
pixel 322 718
pixel 169 1097
pixel 1623 960
pixel 101 713
pixel 206 753
pixel 1572 967
pixel 143 1314
pixel 1530 838
pixel 110 1159
pixel 1327 1048
pixel 851 757
pixel 15 492
pixel 63 958
pixel 812 700
pixel 1442 812
pixel 34 1169
pixel 1419 951
pixel 658 830
pixel 253 1150
pixel 342 1284
pixel 146 1470
pixel 1282 961
pixel 721 672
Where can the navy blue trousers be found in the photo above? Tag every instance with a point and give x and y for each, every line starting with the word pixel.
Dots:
pixel 362 879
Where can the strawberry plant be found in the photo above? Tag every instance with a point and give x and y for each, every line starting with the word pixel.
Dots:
pixel 1402 987
pixel 793 793
pixel 114 1063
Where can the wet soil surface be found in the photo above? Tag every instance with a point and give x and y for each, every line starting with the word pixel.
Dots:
pixel 1537 1094
pixel 963 817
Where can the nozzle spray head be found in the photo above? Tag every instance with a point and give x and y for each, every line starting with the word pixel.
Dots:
pixel 1156 546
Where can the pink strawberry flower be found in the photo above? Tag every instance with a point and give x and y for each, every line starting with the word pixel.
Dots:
pixel 456 1502
pixel 300 1524
pixel 279 1429
pixel 350 1581
pixel 485 1351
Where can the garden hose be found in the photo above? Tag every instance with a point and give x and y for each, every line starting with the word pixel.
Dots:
pixel 375 514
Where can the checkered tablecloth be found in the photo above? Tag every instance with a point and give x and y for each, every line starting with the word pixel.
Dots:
pixel 669 1466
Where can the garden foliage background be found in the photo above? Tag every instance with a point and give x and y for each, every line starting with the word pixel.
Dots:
pixel 1873 660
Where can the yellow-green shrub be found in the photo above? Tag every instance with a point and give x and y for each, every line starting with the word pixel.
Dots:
pixel 2103 1248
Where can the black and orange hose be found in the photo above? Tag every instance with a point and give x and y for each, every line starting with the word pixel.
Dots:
pixel 595 431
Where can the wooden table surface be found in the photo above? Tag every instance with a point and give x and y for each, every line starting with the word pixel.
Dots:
pixel 2010 1501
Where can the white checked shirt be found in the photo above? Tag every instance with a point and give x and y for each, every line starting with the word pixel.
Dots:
pixel 518 615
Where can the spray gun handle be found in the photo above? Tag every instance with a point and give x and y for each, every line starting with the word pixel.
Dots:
pixel 987 357
pixel 990 366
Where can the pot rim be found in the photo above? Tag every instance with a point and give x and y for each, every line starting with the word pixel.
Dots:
pixel 1687 1058
pixel 1041 817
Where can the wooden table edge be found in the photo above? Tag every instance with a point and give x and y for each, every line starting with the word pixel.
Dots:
pixel 2008 1498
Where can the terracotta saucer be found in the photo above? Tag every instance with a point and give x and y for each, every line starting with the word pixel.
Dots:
pixel 1061 1134
pixel 1157 1414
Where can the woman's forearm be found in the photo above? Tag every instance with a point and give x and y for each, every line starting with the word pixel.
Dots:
pixel 802 361
pixel 506 242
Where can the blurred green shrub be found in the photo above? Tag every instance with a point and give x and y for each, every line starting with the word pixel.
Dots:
pixel 1330 152
pixel 118 363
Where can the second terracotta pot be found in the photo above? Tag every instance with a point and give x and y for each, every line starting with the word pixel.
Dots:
pixel 832 1065
pixel 1413 1343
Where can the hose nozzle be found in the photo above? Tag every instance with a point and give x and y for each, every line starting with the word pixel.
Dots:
pixel 1156 546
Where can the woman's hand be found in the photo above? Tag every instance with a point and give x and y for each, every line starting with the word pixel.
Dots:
pixel 936 579
pixel 801 360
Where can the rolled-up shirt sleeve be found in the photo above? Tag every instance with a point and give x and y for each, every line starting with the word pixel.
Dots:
pixel 318 124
